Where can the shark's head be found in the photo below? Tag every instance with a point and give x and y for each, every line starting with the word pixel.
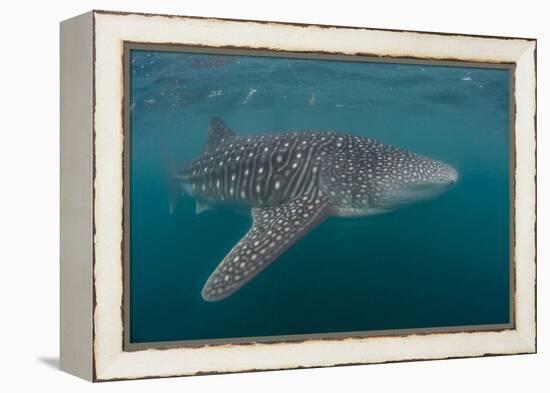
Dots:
pixel 416 180
pixel 372 178
pixel 425 180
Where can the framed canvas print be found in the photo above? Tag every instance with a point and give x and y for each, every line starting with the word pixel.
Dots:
pixel 245 195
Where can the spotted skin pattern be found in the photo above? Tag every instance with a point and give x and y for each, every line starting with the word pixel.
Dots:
pixel 292 182
pixel 274 229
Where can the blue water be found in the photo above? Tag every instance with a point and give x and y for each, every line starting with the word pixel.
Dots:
pixel 439 264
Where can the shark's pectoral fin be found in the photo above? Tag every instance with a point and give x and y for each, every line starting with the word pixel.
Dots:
pixel 274 229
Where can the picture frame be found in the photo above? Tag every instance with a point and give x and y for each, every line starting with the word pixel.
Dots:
pixel 95 184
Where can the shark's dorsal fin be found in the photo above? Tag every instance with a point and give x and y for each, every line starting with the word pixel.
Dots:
pixel 218 133
pixel 274 229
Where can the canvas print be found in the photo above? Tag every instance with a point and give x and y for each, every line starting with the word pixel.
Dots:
pixel 282 196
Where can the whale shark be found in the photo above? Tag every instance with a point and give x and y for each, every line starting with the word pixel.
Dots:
pixel 291 182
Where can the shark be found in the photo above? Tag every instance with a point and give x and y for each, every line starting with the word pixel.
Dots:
pixel 291 182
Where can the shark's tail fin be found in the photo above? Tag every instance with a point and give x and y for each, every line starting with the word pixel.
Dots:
pixel 172 187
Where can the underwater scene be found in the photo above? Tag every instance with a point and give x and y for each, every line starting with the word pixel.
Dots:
pixel 282 196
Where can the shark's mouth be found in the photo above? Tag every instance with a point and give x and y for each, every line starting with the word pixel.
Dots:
pixel 415 194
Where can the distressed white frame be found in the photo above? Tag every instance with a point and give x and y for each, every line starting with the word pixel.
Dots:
pixel 111 30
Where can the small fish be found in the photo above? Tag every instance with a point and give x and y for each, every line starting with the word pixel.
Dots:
pixel 251 92
pixel 293 181
pixel 312 99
